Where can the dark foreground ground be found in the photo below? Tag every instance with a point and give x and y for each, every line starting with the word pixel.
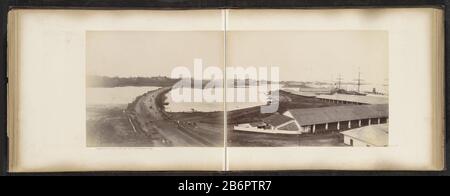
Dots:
pixel 111 127
pixel 248 139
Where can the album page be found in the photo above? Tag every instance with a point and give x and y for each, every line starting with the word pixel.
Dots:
pixel 91 90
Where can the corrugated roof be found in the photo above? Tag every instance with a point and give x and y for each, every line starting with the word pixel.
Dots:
pixel 310 116
pixel 277 119
pixel 377 135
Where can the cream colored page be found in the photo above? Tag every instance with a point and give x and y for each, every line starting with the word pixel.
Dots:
pixel 410 32
pixel 52 102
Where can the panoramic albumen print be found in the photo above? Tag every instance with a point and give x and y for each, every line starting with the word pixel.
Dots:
pixel 277 88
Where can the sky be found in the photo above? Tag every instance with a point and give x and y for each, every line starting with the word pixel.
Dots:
pixel 313 55
pixel 300 55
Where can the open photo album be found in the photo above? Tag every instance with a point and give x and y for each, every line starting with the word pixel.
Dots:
pixel 225 89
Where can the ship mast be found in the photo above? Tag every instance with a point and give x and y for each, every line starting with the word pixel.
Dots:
pixel 339 79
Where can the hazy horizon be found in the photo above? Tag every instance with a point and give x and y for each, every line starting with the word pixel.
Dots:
pixel 302 56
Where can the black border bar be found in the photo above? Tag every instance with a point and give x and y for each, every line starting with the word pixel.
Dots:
pixel 214 4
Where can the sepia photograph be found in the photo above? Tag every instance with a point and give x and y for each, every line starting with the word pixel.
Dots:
pixel 129 84
pixel 283 88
